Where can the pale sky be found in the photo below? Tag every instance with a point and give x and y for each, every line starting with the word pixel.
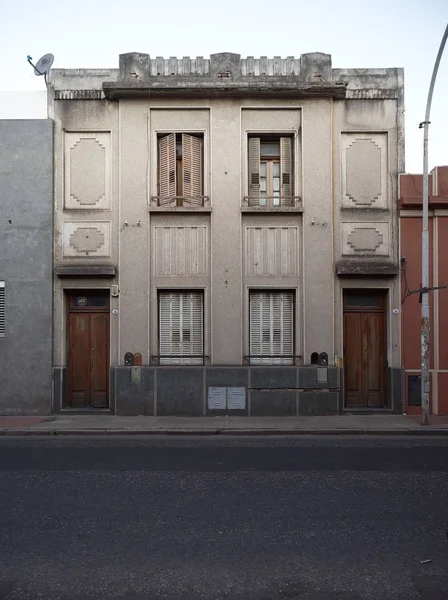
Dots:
pixel 92 33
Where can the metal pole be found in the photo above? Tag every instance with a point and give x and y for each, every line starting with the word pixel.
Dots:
pixel 425 246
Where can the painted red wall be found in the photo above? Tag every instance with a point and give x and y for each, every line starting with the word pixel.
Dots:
pixel 411 248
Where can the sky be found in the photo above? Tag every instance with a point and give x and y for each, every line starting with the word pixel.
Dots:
pixel 358 34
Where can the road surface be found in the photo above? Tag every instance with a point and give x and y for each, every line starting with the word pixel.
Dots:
pixel 177 518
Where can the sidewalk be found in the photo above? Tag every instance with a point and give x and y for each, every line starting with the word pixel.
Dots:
pixel 113 425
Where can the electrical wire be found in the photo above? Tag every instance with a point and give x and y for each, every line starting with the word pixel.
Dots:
pixel 406 285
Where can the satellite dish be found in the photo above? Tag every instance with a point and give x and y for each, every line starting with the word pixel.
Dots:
pixel 43 64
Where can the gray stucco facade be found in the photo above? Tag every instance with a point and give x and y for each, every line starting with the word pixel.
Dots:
pixel 26 250
pixel 342 132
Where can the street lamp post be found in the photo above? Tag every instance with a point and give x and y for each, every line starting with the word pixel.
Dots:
pixel 425 246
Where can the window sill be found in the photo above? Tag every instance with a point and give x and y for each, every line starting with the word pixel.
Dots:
pixel 272 209
pixel 184 209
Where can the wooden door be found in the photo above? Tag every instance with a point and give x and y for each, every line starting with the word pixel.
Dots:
pixel 364 350
pixel 88 351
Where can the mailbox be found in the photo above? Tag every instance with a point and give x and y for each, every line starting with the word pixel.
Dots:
pixel 323 359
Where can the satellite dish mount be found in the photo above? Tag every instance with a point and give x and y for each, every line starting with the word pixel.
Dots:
pixel 43 65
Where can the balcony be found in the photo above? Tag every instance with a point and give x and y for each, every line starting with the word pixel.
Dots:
pixel 272 360
pixel 258 204
pixel 180 204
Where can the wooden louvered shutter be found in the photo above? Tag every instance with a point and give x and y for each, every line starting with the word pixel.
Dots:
pixel 181 328
pixel 286 170
pixel 167 167
pixel 2 310
pixel 271 327
pixel 192 167
pixel 254 168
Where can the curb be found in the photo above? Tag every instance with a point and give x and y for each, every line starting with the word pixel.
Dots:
pixel 224 432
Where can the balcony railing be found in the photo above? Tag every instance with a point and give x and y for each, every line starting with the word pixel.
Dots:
pixel 273 360
pixel 272 202
pixel 176 360
pixel 180 201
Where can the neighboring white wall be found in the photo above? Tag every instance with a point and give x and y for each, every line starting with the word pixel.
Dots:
pixel 23 104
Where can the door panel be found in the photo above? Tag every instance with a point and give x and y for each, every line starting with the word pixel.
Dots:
pixel 364 351
pixel 79 360
pixel 373 335
pixel 352 359
pixel 99 327
pixel 88 352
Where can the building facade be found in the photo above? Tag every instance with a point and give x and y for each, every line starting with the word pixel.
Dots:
pixel 411 279
pixel 226 236
pixel 26 250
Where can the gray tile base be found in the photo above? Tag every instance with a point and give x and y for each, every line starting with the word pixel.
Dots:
pixel 308 378
pixel 319 403
pixel 396 386
pixel 58 388
pixel 273 403
pixel 180 391
pixel 273 377
pixel 132 399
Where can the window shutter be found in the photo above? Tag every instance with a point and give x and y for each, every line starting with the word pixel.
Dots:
pixel 282 339
pixel 255 326
pixel 254 167
pixel 192 166
pixel 2 310
pixel 286 167
pixel 271 327
pixel 167 166
pixel 181 328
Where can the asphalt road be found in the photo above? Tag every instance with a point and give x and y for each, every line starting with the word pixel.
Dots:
pixel 224 519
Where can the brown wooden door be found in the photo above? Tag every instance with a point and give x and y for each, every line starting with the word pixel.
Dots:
pixel 88 352
pixel 364 350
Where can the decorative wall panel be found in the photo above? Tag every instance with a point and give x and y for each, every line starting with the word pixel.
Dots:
pixel 86 238
pixel 87 171
pixel 361 239
pixel 180 251
pixel 272 251
pixel 364 170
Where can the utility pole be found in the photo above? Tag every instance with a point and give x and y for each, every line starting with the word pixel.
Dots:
pixel 425 245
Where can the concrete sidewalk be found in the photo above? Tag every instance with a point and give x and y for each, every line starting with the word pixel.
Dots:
pixel 113 425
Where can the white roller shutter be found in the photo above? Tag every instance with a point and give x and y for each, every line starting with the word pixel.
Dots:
pixel 2 310
pixel 181 326
pixel 271 336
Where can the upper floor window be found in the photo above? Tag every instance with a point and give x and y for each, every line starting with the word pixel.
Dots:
pixel 271 171
pixel 180 170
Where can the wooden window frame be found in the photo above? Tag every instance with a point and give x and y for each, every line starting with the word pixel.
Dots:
pixel 187 170
pixel 286 160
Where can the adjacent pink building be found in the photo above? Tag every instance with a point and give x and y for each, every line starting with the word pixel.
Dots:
pixel 411 267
